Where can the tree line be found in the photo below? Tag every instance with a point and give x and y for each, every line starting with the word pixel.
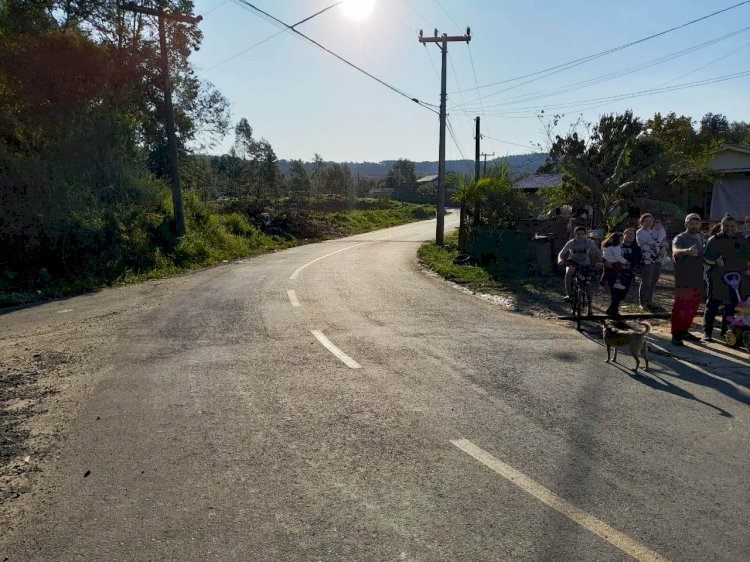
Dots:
pixel 622 162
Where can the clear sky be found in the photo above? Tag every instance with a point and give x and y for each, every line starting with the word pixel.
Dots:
pixel 305 101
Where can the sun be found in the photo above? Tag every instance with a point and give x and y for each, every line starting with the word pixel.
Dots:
pixel 357 9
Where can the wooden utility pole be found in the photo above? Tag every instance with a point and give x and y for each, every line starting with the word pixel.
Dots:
pixel 174 169
pixel 442 42
pixel 484 173
pixel 477 137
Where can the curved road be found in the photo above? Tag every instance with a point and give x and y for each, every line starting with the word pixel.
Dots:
pixel 334 402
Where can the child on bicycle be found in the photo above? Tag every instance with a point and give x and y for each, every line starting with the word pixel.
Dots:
pixel 579 252
pixel 613 258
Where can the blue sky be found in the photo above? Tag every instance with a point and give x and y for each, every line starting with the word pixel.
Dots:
pixel 305 101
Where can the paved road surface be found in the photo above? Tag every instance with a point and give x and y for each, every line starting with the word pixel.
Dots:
pixel 216 424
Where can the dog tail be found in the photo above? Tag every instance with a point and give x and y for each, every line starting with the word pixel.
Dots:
pixel 646 327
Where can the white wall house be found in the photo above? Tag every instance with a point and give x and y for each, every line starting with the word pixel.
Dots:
pixel 731 186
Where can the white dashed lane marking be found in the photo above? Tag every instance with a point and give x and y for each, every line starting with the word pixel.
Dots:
pixel 348 361
pixel 589 522
pixel 292 297
pixel 299 269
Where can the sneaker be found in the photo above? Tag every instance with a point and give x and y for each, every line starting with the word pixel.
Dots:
pixel 690 337
pixel 618 285
pixel 566 298
pixel 707 339
pixel 677 341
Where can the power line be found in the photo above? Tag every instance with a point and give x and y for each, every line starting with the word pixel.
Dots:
pixel 584 103
pixel 727 55
pixel 276 21
pixel 214 9
pixel 505 141
pixel 259 43
pixel 611 75
pixel 476 82
pixel 447 14
pixel 576 62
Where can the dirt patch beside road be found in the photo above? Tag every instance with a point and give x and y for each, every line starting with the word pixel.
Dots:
pixel 44 377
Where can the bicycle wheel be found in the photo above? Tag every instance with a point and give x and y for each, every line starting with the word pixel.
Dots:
pixel 574 298
pixel 580 303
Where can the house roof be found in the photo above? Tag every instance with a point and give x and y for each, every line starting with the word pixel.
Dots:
pixel 736 147
pixel 538 181
pixel 731 158
pixel 427 179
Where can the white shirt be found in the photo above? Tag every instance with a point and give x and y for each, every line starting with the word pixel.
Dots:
pixel 613 254
pixel 649 245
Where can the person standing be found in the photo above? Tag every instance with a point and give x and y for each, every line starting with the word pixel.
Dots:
pixel 632 253
pixel 687 252
pixel 726 252
pixel 650 248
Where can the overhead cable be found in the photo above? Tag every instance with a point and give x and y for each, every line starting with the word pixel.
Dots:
pixel 570 64
pixel 619 97
pixel 276 21
pixel 609 76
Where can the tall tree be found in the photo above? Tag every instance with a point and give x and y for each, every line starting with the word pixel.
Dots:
pixel 298 181
pixel 402 175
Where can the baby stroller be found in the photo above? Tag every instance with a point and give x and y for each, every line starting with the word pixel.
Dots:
pixel 738 332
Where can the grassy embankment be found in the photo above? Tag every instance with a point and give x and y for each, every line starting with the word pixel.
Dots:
pixel 537 292
pixel 212 235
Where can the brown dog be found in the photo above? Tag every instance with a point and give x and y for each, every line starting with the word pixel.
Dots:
pixel 618 333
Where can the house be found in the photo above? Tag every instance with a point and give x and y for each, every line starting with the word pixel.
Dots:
pixel 731 184
pixel 530 185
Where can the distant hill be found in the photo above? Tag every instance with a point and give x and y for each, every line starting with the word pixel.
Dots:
pixel 520 164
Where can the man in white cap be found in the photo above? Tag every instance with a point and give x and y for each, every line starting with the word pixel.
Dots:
pixel 687 251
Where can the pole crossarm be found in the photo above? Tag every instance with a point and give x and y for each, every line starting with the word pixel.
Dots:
pixel 445 38
pixel 166 14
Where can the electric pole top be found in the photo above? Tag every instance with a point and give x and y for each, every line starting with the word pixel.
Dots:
pixel 445 38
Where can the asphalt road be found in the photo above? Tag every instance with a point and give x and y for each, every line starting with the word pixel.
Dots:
pixel 215 424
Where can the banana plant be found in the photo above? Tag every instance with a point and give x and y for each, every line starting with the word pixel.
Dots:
pixel 608 194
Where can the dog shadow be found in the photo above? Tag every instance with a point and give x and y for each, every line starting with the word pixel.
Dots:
pixel 654 379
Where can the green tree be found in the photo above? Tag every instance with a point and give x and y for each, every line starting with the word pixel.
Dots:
pixel 601 156
pixel 402 175
pixel 608 195
pixel 298 181
pixel 318 175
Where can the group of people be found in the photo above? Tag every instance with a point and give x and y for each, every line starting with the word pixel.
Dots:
pixel 698 266
pixel 726 252
pixel 622 256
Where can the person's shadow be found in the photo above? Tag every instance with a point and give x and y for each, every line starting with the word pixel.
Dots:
pixel 728 382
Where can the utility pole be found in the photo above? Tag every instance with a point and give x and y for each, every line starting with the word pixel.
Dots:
pixel 477 138
pixel 442 42
pixel 484 173
pixel 174 169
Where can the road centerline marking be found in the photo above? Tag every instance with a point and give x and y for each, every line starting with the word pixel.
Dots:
pixel 292 297
pixel 572 512
pixel 348 361
pixel 299 269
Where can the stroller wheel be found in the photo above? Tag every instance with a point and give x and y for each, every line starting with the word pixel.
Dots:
pixel 732 339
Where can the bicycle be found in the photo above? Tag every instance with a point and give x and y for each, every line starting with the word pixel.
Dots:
pixel 579 294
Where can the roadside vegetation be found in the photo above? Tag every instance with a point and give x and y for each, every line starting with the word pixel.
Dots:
pixel 85 200
pixel 89 254
pixel 538 295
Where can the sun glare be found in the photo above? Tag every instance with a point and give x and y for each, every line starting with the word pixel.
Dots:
pixel 357 9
